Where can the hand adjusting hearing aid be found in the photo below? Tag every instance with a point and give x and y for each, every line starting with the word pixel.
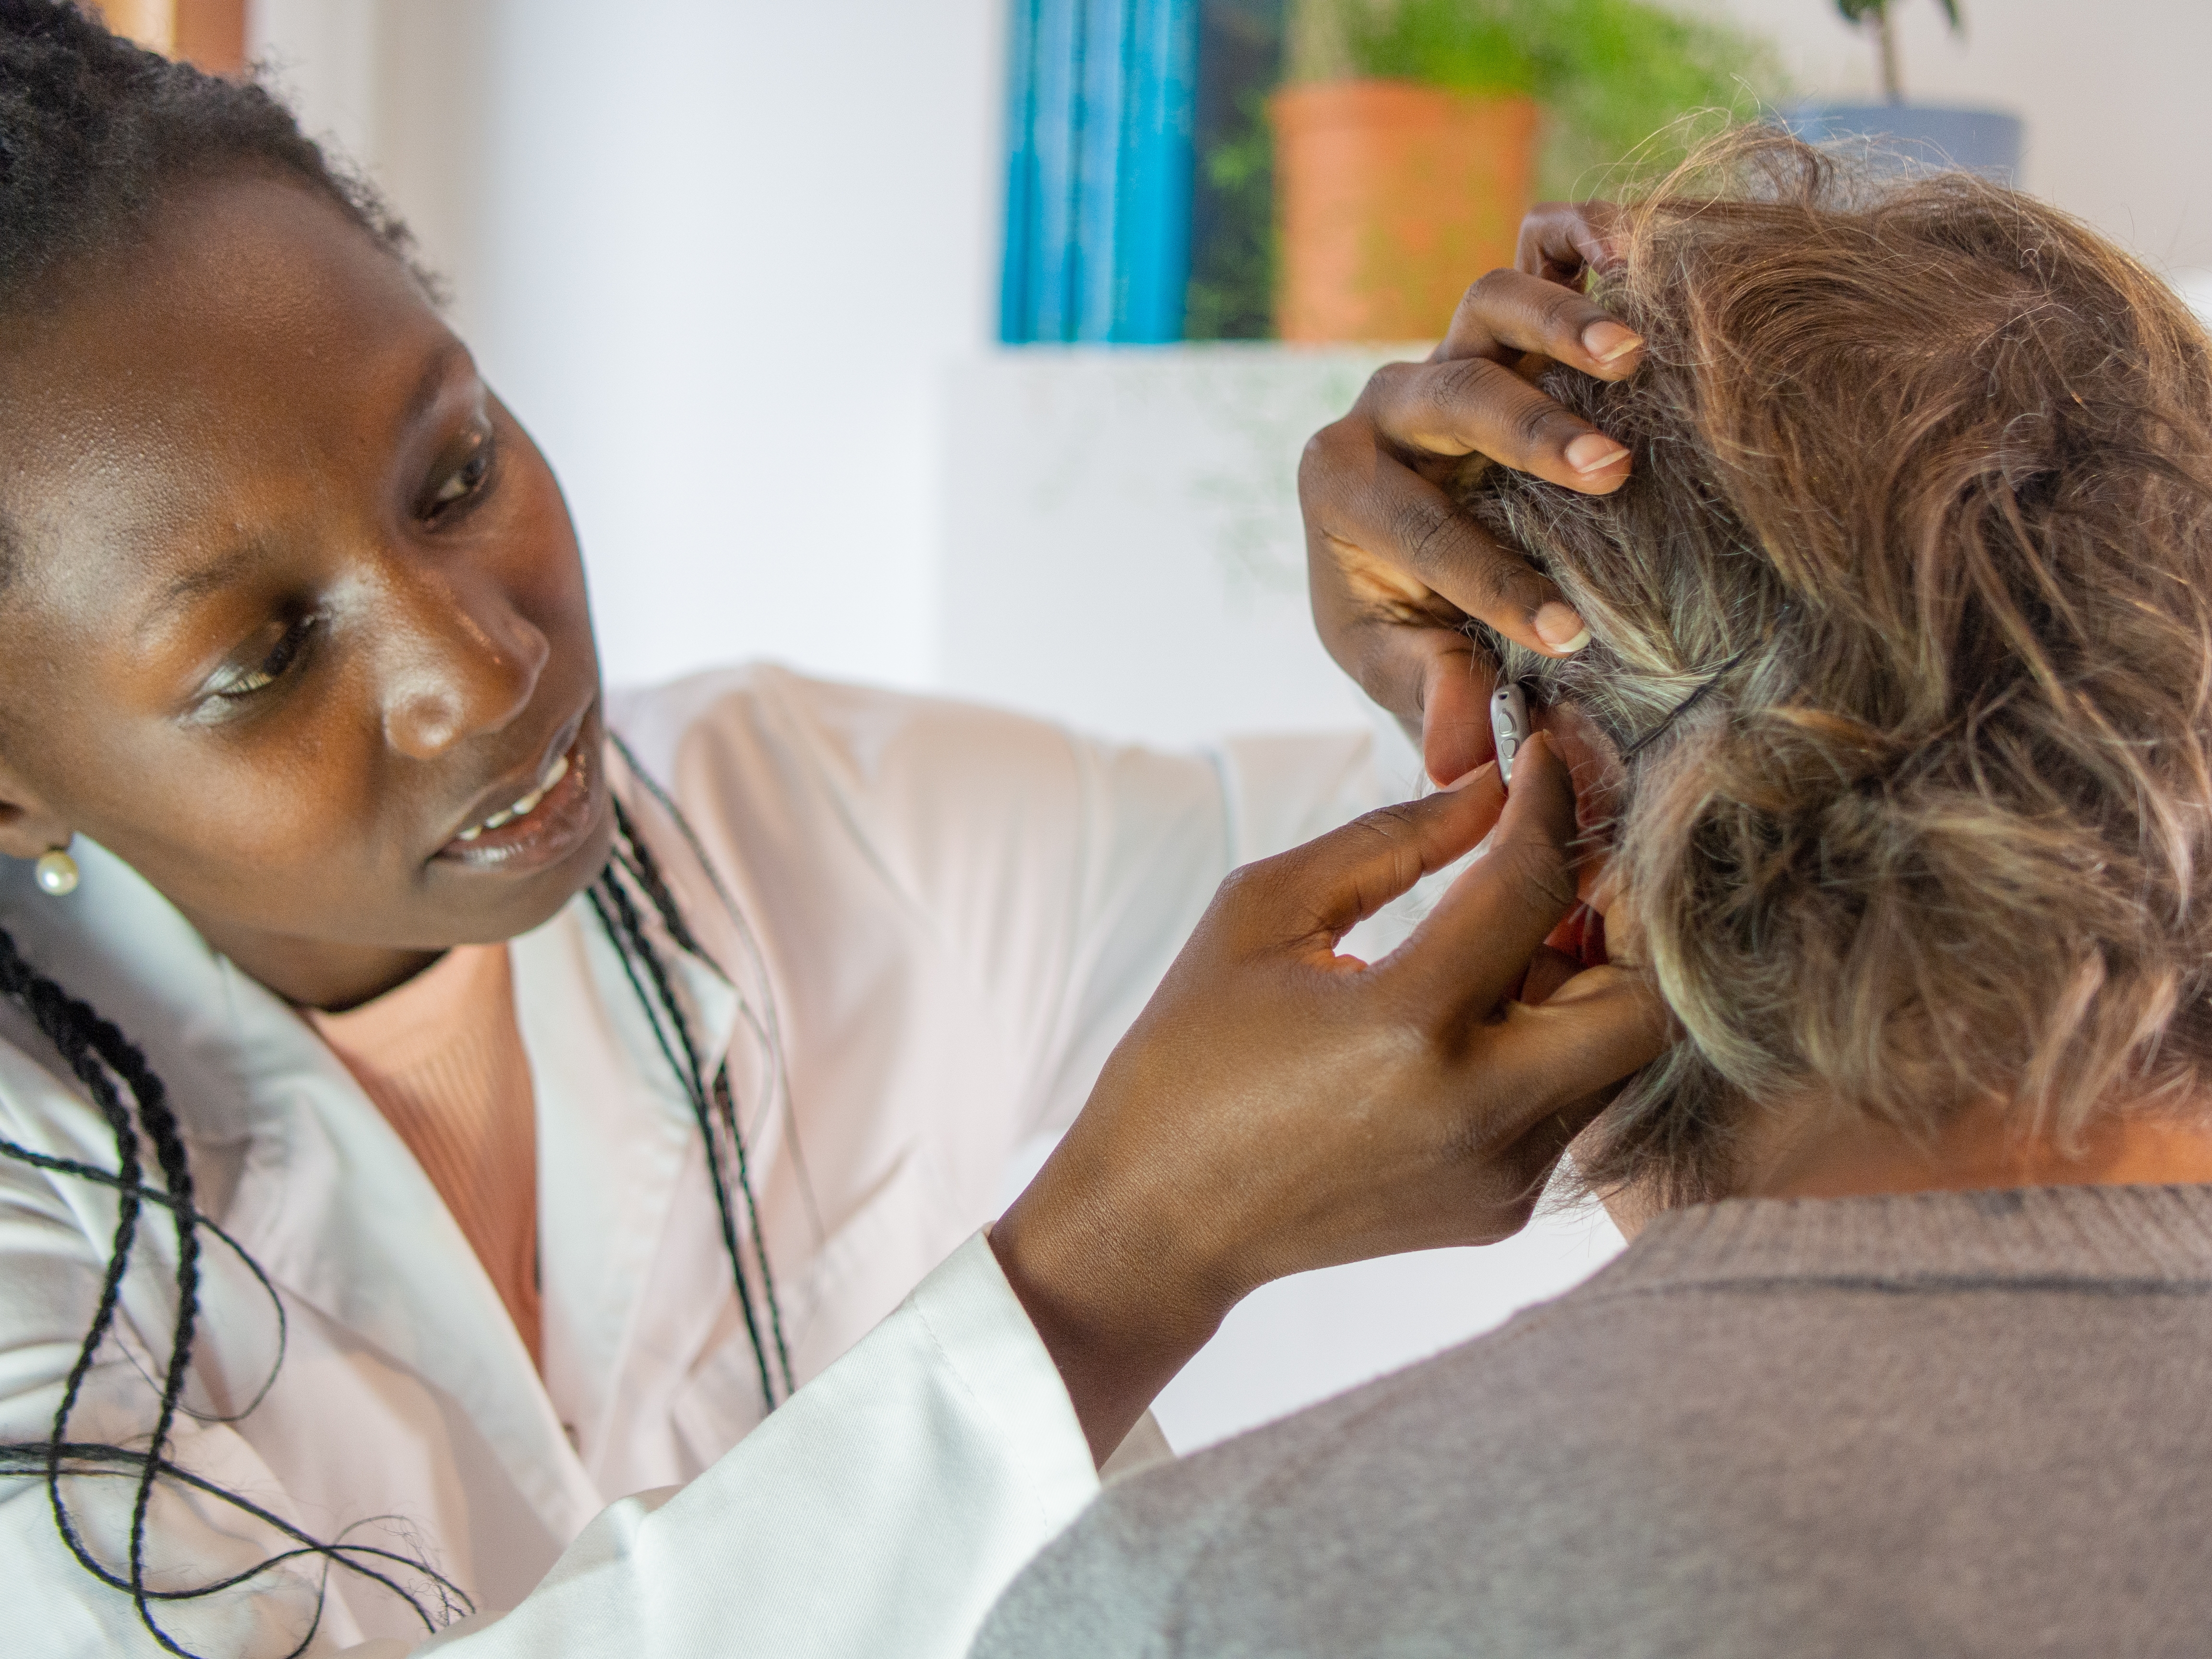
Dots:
pixel 1509 726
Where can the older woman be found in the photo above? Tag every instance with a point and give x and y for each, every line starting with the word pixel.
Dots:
pixel 1895 726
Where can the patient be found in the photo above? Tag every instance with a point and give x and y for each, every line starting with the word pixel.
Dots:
pixel 1898 728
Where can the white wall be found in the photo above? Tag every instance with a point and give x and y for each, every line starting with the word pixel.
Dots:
pixel 1121 549
pixel 714 252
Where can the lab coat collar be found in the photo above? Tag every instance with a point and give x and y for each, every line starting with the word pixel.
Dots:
pixel 328 1198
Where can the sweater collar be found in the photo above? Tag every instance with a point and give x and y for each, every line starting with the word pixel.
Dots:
pixel 2112 1236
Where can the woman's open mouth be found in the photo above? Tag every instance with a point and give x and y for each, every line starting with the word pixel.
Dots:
pixel 540 826
pixel 523 808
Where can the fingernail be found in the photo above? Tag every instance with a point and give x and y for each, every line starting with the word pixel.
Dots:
pixel 1608 341
pixel 1466 777
pixel 1593 451
pixel 1559 627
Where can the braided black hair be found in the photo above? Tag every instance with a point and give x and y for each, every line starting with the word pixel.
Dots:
pixel 100 1057
pixel 95 133
pixel 712 1107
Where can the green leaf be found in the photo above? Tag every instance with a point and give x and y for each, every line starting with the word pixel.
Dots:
pixel 1615 76
pixel 1462 46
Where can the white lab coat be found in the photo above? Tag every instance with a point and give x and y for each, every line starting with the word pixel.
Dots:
pixel 939 920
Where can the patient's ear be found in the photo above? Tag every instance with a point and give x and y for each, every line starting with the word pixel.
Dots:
pixel 1595 769
pixel 1624 926
pixel 1595 766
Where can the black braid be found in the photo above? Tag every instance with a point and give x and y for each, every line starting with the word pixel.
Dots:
pixel 64 1020
pixel 160 1123
pixel 95 134
pixel 636 856
pixel 710 1102
pixel 99 1054
pixel 640 859
pixel 70 1166
pixel 631 944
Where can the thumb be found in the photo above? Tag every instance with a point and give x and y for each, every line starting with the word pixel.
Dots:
pixel 1473 947
pixel 1305 900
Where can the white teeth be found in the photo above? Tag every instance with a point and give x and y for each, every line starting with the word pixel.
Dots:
pixel 554 773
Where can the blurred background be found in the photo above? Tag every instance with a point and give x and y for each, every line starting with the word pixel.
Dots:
pixel 969 345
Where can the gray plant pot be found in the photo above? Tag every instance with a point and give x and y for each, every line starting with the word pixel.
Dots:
pixel 1985 141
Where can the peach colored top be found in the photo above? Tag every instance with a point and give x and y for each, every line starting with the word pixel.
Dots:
pixel 442 1057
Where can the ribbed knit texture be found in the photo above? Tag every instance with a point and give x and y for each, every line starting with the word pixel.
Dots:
pixel 2116 1237
pixel 442 1058
pixel 1973 1424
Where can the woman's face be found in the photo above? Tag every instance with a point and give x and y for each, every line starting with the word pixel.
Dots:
pixel 295 604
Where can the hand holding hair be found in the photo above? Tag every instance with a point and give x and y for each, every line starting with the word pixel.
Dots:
pixel 1394 565
pixel 1279 1108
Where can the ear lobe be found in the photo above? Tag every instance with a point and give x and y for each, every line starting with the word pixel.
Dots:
pixel 1597 884
pixel 1622 932
pixel 1590 758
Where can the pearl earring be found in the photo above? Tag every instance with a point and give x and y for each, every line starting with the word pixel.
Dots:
pixel 56 872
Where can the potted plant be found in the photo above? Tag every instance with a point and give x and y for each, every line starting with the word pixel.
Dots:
pixel 1395 183
pixel 1985 140
pixel 1407 145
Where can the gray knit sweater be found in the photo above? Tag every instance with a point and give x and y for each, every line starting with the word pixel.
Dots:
pixel 1944 1424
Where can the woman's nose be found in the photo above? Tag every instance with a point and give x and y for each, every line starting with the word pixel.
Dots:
pixel 460 663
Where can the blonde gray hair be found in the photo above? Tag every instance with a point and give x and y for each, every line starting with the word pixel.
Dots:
pixel 1923 490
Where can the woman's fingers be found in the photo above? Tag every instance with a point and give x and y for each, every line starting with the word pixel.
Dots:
pixel 1473 949
pixel 1507 313
pixel 1369 515
pixel 1391 555
pixel 1470 396
pixel 1563 241
pixel 1277 1108
pixel 1305 900
pixel 1426 671
pixel 1548 969
pixel 1475 405
pixel 1602 1024
pixel 1456 730
pixel 1567 1058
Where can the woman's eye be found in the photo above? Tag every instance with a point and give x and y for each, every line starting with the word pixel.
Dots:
pixel 235 682
pixel 463 481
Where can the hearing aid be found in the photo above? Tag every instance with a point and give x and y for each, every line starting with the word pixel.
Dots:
pixel 1509 726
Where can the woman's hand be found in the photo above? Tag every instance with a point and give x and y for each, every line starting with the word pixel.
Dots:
pixel 1394 566
pixel 1279 1108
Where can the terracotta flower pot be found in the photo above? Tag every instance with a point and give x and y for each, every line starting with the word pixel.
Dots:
pixel 1391 196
